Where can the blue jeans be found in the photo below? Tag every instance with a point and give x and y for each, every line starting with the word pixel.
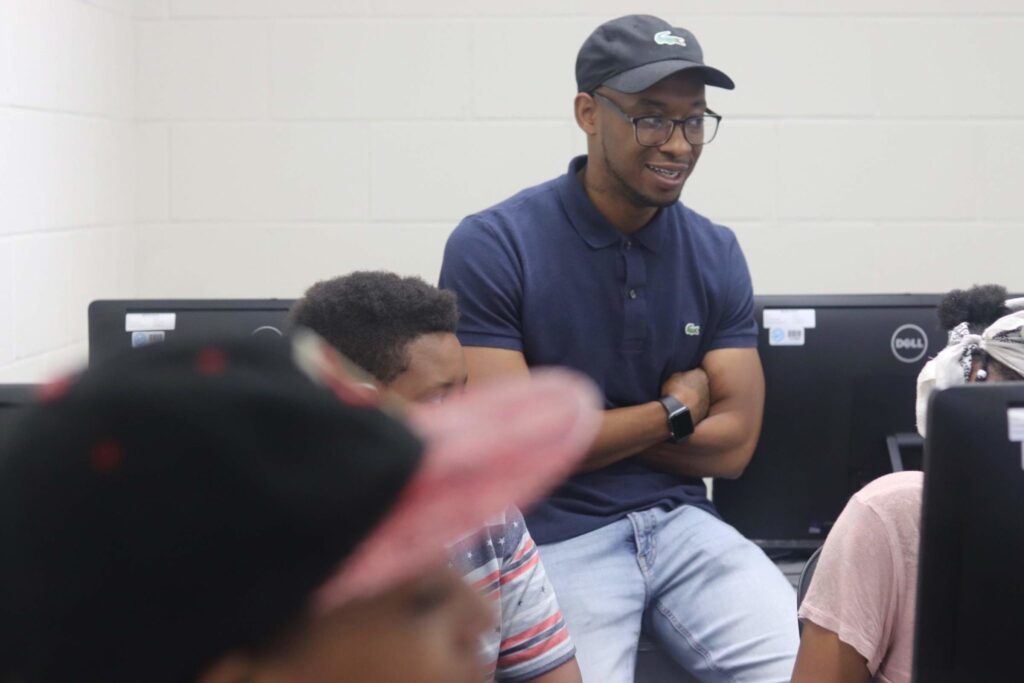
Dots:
pixel 711 598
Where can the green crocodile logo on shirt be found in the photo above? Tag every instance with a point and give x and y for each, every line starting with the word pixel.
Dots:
pixel 692 330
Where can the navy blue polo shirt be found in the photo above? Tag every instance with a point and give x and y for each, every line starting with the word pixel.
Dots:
pixel 546 274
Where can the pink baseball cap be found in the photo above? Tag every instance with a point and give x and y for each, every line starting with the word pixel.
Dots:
pixel 184 500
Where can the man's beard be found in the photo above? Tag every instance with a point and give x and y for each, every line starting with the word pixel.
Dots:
pixel 630 193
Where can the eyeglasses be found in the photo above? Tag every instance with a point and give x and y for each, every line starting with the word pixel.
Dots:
pixel 655 131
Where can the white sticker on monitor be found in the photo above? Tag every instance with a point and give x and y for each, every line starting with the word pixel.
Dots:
pixel 140 322
pixel 1015 422
pixel 790 317
pixel 786 336
pixel 145 338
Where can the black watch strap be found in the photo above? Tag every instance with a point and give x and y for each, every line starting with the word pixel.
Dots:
pixel 680 421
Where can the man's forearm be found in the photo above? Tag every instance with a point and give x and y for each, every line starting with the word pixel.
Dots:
pixel 626 432
pixel 721 446
pixel 631 430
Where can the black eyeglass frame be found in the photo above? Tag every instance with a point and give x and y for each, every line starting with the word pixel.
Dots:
pixel 708 114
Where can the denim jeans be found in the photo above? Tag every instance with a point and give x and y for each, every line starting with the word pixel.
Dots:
pixel 710 598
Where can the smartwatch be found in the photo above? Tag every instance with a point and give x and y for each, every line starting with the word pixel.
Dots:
pixel 680 421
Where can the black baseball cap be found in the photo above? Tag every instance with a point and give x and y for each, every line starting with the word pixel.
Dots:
pixel 186 500
pixel 632 53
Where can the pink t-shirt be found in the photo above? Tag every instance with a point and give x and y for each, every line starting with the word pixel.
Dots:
pixel 865 586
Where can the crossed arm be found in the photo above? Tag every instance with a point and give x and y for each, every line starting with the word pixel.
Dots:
pixel 725 396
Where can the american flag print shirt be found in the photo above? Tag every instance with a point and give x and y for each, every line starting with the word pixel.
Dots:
pixel 502 562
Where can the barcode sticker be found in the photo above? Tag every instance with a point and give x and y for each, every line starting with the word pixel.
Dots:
pixel 786 336
pixel 145 338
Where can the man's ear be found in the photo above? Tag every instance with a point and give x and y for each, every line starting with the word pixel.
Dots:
pixel 586 113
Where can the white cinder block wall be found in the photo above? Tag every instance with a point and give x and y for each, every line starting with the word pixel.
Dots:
pixel 67 136
pixel 871 146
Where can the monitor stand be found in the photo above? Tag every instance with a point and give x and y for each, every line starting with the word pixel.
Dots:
pixel 905 449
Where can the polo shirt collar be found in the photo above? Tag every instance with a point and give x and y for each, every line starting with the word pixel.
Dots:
pixel 591 224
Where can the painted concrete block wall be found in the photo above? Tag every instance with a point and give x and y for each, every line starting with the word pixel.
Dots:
pixel 67 160
pixel 870 146
pixel 211 148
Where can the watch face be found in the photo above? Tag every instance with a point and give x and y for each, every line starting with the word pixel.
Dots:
pixel 681 423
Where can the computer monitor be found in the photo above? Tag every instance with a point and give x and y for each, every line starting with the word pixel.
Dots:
pixel 117 326
pixel 970 599
pixel 841 376
pixel 15 400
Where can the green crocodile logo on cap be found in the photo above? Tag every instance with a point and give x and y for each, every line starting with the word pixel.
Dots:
pixel 666 38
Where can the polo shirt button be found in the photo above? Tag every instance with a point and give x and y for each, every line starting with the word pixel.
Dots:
pixel 632 294
pixel 629 245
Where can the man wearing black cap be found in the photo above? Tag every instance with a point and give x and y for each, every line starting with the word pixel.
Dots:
pixel 603 270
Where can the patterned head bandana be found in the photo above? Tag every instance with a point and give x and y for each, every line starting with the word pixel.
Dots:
pixel 1003 340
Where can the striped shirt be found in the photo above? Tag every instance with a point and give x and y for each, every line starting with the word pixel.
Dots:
pixel 502 562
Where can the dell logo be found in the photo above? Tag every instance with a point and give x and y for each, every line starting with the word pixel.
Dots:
pixel 909 343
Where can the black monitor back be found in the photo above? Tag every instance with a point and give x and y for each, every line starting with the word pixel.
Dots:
pixel 15 400
pixel 117 326
pixel 831 405
pixel 970 600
